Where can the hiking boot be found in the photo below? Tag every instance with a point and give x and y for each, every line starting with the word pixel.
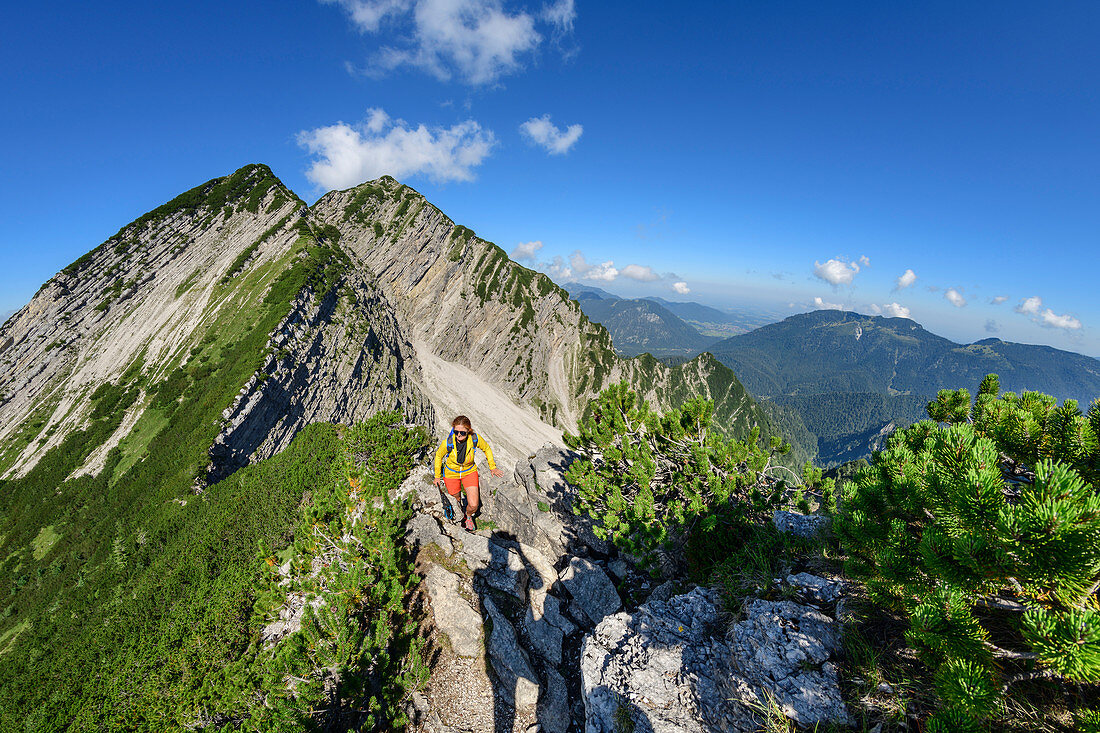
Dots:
pixel 468 524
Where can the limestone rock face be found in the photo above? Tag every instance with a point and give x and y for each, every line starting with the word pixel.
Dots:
pixel 465 301
pixel 594 595
pixel 453 614
pixel 327 361
pixel 785 648
pixel 668 667
pixel 510 661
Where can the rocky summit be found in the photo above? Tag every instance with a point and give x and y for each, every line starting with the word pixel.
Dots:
pixel 417 313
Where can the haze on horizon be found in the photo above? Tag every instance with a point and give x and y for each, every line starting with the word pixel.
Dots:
pixel 936 162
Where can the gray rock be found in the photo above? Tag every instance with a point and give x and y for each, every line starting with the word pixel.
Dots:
pixel 786 647
pixel 668 667
pixel 423 530
pixel 594 595
pixel 542 476
pixel 545 637
pixel 619 568
pixel 822 590
pixel 553 707
pixel 419 485
pixel 801 525
pixel 664 591
pixel 454 615
pixel 516 508
pixel 497 565
pixel 550 609
pixel 510 662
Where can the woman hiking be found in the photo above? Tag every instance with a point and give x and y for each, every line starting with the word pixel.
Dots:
pixel 455 467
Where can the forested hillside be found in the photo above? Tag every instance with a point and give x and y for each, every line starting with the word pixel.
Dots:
pixel 644 326
pixel 836 351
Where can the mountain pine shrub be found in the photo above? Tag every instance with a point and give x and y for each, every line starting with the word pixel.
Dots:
pixel 657 486
pixel 984 530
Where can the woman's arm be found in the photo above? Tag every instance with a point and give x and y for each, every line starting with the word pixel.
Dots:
pixel 488 451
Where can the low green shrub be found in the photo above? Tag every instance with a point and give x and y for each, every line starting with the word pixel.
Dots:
pixel 651 482
pixel 985 532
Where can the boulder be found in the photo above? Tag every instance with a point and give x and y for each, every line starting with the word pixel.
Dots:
pixel 542 478
pixel 668 667
pixel 497 565
pixel 544 637
pixel 553 707
pixel 423 530
pixel 786 648
pixel 454 615
pixel 821 590
pixel 510 663
pixel 594 595
pixel 801 525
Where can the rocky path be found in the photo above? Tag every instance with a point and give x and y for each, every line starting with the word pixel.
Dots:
pixel 529 631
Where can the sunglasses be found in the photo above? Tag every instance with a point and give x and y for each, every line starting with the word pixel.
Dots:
pixel 462 432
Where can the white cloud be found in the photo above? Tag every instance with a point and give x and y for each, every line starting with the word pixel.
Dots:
pixel 836 271
pixel 1064 321
pixel 991 326
pixel 557 269
pixel 348 155
pixel 368 15
pixel 541 131
pixel 526 251
pixel 642 273
pixel 997 300
pixel 476 40
pixel 955 298
pixel 826 305
pixel 896 310
pixel 561 14
pixel 905 279
pixel 1033 307
pixel 864 260
pixel 604 271
pixel 579 268
pixel 1030 306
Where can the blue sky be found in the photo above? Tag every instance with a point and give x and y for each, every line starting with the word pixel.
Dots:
pixel 792 155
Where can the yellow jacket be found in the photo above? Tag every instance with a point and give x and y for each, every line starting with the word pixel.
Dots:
pixel 453 468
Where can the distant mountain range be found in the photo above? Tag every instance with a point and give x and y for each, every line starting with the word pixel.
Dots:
pixel 853 379
pixel 643 326
pixel 836 351
pixel 657 326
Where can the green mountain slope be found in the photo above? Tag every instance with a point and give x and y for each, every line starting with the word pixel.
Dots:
pixel 832 351
pixel 644 326
pixel 138 377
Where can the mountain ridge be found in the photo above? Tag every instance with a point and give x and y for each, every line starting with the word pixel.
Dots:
pixel 839 351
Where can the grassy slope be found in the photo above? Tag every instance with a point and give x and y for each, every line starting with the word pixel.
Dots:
pixel 62 601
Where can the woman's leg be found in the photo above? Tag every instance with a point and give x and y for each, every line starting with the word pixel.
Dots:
pixel 454 488
pixel 473 494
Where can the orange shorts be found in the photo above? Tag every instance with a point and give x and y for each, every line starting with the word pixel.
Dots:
pixel 457 484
